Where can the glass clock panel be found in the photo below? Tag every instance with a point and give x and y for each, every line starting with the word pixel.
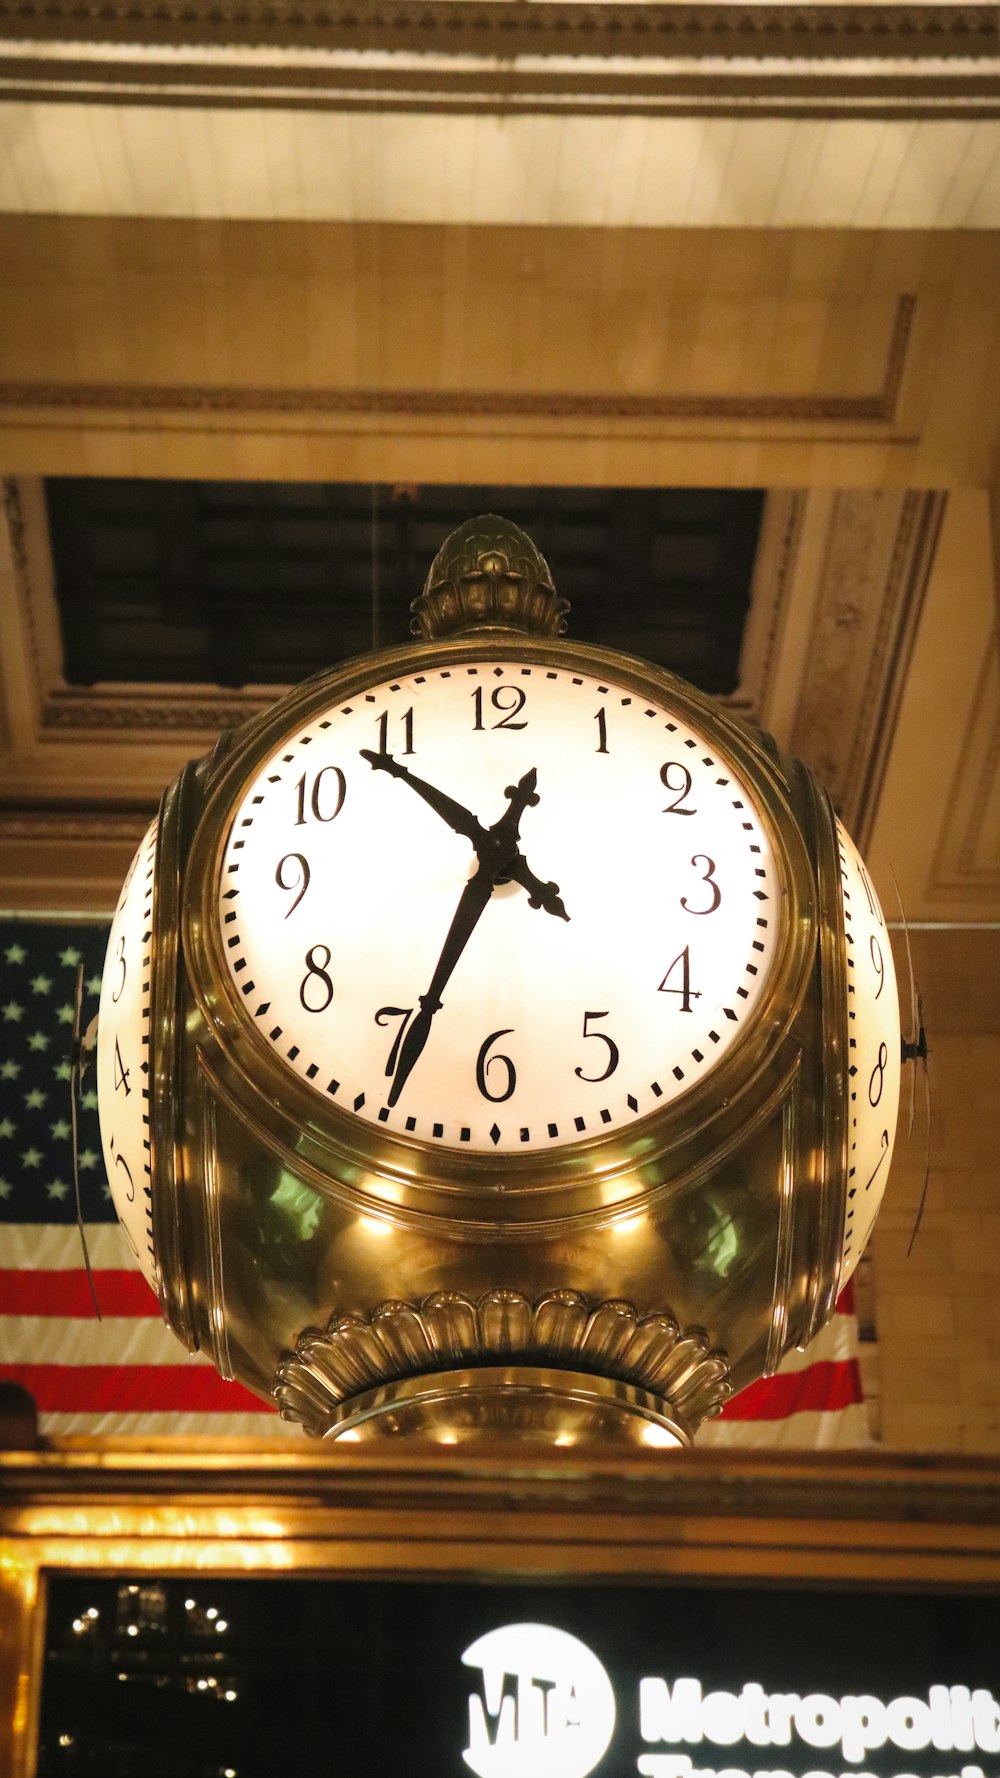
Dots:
pixel 123 1055
pixel 874 1051
pixel 499 906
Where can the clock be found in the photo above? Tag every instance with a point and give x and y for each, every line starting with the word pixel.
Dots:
pixel 123 1055
pixel 499 905
pixel 522 1037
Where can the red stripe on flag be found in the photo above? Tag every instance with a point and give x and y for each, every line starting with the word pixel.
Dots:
pixel 823 1386
pixel 131 1388
pixel 67 1293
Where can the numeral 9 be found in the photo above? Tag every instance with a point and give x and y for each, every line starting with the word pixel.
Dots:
pixel 300 879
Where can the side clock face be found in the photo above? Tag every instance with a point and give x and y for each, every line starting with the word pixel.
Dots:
pixel 499 906
pixel 123 1049
pixel 874 1054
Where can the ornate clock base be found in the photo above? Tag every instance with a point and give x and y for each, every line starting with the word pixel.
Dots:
pixel 559 1370
pixel 522 1402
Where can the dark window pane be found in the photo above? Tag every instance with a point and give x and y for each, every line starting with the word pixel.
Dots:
pixel 265 582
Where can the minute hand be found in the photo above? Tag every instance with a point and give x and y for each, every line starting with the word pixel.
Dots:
pixel 462 820
pixel 473 899
pixel 500 845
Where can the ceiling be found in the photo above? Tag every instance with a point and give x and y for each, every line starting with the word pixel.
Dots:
pixel 563 114
pixel 590 246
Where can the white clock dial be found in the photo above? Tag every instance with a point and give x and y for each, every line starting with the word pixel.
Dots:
pixel 369 951
pixel 873 1048
pixel 123 1050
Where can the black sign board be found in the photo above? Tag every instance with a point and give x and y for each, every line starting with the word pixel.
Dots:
pixel 205 1678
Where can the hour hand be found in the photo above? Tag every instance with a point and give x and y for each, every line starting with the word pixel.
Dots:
pixel 540 895
pixel 460 819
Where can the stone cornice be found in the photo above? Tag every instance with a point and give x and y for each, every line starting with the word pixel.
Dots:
pixel 508 28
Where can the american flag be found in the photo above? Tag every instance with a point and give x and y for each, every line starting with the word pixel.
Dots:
pixel 126 1375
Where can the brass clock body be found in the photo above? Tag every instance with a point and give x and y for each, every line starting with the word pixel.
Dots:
pixel 412 1246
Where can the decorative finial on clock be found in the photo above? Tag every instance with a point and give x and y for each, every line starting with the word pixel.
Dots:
pixel 488 575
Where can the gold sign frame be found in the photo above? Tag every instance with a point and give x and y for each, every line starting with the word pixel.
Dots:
pixel 856 1521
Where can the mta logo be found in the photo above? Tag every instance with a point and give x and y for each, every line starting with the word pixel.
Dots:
pixel 543 1706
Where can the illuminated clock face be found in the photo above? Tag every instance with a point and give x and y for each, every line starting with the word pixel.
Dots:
pixel 123 1049
pixel 874 1063
pixel 498 906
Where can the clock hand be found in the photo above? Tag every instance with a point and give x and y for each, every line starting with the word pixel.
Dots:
pixel 540 895
pixel 472 901
pixel 499 846
pixel 462 820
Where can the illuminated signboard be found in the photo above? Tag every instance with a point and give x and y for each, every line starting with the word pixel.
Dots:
pixel 356 1679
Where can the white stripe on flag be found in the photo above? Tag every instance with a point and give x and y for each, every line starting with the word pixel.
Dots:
pixel 55 1247
pixel 50 1339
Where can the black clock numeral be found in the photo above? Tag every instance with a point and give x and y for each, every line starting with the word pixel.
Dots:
pixel 613 1051
pixel 485 1062
pixel 601 720
pixel 686 992
pixel 120 1161
pixel 316 970
pixel 885 1150
pixel 300 880
pixel 383 731
pixel 121 1072
pixel 879 966
pixel 707 877
pixel 877 1080
pixel 680 791
pixel 873 906
pixel 120 958
pixel 324 801
pixel 509 700
pixel 404 1014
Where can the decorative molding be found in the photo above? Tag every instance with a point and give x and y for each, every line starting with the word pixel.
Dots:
pixel 93 825
pixel 877 408
pixel 152 710
pixel 562 1330
pixel 501 88
pixel 880 550
pixel 967 861
pixel 771 595
pixel 508 28
pixel 493 56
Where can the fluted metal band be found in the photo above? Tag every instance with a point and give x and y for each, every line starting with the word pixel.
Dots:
pixel 562 1330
